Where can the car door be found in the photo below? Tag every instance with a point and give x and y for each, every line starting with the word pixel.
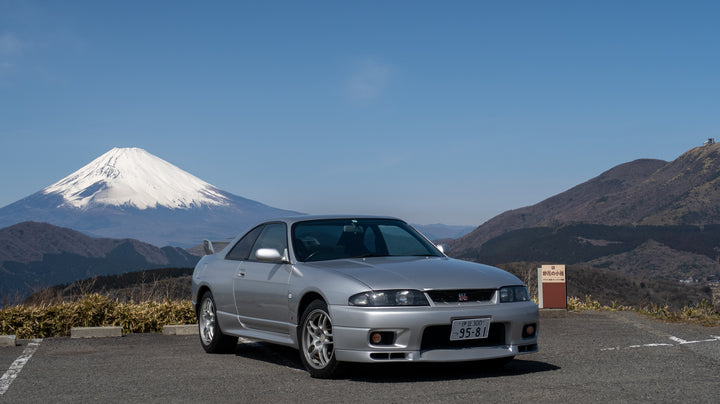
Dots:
pixel 226 272
pixel 261 288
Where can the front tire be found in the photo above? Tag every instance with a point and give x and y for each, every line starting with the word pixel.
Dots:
pixel 211 337
pixel 315 336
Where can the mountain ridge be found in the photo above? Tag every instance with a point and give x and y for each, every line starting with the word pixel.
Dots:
pixel 36 255
pixel 641 192
pixel 573 200
pixel 626 214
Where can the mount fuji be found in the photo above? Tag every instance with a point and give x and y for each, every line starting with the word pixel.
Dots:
pixel 130 193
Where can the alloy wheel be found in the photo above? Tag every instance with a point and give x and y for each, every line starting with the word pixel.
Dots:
pixel 207 321
pixel 318 339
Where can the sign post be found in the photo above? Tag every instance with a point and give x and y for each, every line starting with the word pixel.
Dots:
pixel 552 293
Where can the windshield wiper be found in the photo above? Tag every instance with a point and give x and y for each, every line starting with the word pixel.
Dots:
pixel 369 255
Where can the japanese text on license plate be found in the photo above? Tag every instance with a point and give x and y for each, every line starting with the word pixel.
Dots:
pixel 470 328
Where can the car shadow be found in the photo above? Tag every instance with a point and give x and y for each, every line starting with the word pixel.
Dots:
pixel 271 353
pixel 393 372
pixel 428 372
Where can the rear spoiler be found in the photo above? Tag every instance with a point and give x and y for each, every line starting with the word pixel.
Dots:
pixel 212 247
pixel 208 247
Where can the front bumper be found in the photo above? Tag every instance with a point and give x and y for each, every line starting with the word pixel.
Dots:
pixel 422 333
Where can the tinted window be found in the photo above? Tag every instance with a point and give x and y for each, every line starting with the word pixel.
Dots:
pixel 321 240
pixel 398 242
pixel 273 236
pixel 242 249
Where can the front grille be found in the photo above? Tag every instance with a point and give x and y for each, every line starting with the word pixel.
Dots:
pixel 461 295
pixel 438 337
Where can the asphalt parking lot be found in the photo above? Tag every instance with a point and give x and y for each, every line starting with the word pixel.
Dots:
pixel 587 356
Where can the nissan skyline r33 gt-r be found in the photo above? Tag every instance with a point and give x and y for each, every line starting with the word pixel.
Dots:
pixel 358 289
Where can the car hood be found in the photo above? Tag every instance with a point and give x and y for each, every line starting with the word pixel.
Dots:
pixel 422 273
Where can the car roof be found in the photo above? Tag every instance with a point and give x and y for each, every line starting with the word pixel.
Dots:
pixel 305 218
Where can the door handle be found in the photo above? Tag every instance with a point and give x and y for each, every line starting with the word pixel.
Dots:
pixel 241 273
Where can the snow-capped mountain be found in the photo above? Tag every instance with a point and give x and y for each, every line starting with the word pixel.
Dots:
pixel 135 178
pixel 130 193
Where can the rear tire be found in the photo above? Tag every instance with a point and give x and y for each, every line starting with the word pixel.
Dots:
pixel 316 343
pixel 211 337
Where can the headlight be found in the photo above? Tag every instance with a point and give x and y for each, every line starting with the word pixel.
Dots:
pixel 389 298
pixel 510 294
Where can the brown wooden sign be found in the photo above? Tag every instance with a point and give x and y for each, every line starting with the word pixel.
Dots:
pixel 552 293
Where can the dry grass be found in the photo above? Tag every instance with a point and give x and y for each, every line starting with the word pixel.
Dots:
pixel 92 310
pixel 577 304
pixel 703 313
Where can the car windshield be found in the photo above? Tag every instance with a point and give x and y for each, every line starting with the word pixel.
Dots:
pixel 331 239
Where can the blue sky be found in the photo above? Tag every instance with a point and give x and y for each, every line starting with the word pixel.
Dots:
pixel 442 111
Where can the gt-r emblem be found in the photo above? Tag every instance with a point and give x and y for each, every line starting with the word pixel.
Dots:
pixel 462 297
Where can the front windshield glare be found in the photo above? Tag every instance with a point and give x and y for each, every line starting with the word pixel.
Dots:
pixel 322 240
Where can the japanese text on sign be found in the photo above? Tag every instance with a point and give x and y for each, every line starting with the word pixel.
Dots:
pixel 553 273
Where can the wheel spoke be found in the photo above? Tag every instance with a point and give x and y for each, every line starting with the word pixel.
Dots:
pixel 312 352
pixel 312 329
pixel 324 355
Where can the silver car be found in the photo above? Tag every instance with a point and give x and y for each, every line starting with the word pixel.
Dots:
pixel 358 289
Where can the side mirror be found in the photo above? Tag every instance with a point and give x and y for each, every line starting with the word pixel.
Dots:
pixel 444 248
pixel 269 255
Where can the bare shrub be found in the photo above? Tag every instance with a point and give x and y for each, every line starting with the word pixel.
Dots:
pixel 93 310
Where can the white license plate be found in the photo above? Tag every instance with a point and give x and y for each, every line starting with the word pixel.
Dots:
pixel 470 328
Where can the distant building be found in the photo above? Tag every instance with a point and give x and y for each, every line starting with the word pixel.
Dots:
pixel 709 141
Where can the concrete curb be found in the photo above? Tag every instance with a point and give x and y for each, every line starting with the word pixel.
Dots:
pixel 185 329
pixel 8 340
pixel 95 332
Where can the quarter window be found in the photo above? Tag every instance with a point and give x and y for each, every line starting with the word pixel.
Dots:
pixel 242 249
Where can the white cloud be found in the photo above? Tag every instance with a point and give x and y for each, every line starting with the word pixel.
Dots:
pixel 369 80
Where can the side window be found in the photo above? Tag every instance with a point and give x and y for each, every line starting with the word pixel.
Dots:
pixel 274 236
pixel 241 251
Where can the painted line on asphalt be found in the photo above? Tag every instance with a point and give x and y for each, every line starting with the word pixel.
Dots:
pixel 17 366
pixel 678 341
pixel 683 342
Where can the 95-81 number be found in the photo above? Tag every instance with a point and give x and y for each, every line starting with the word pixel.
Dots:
pixel 470 328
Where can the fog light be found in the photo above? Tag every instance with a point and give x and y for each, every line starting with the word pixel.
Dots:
pixel 382 338
pixel 529 331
